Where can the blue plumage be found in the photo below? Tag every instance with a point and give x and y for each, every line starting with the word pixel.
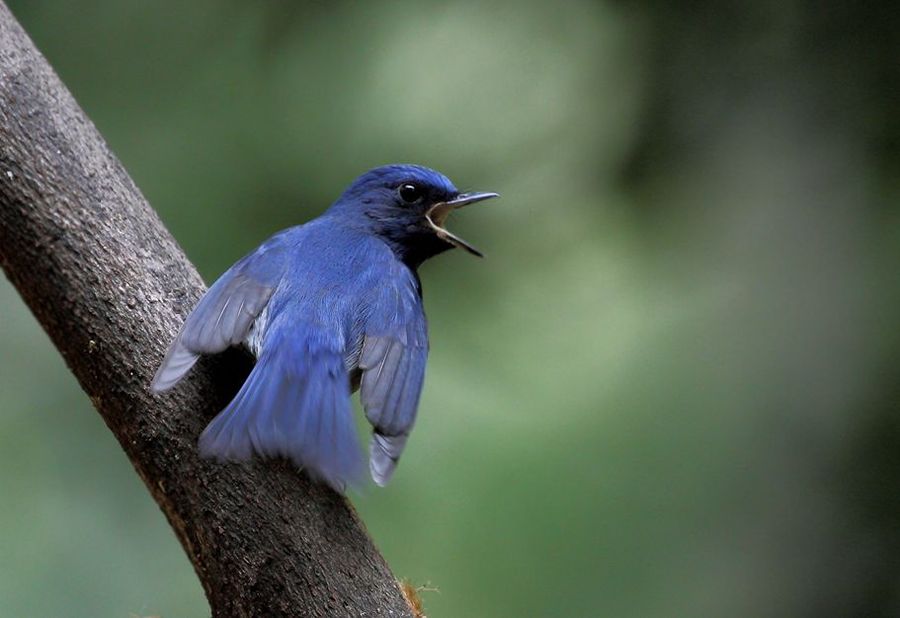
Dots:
pixel 328 307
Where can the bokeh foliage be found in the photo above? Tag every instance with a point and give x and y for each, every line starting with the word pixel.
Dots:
pixel 670 390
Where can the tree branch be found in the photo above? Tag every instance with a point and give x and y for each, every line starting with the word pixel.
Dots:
pixel 110 286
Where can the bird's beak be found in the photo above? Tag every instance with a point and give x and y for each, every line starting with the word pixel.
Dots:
pixel 437 215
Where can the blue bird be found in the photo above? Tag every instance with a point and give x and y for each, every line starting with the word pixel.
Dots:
pixel 328 307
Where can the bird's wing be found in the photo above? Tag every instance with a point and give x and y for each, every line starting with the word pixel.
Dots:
pixel 226 313
pixel 394 352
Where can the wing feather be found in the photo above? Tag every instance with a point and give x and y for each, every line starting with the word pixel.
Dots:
pixel 392 362
pixel 225 315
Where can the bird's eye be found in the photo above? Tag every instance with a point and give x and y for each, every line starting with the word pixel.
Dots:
pixel 409 192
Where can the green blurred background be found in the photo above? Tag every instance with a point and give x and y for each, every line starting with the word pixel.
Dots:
pixel 670 390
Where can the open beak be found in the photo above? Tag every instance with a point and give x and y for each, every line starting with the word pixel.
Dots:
pixel 437 215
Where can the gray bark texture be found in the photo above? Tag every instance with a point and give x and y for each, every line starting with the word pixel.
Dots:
pixel 111 286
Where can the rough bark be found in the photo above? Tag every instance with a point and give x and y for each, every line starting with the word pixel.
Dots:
pixel 110 286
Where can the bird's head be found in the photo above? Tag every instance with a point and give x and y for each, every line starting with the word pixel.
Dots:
pixel 407 207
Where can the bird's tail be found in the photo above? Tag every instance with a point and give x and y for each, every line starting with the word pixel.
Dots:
pixel 295 408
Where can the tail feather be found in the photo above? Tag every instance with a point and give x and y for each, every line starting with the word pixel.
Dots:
pixel 297 410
